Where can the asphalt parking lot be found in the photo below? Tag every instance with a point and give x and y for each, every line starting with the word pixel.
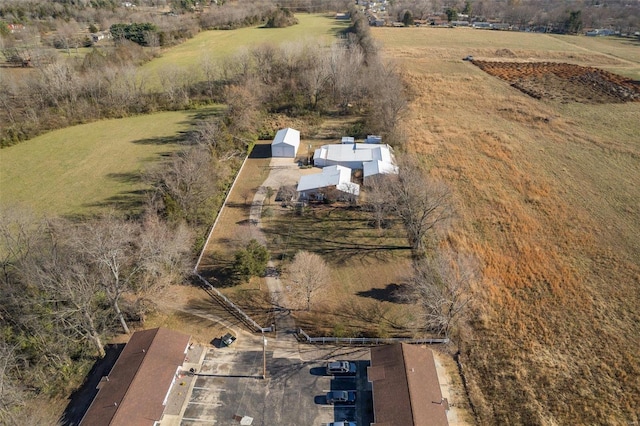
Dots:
pixel 229 388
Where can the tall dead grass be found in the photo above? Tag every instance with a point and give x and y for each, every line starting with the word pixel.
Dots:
pixel 547 197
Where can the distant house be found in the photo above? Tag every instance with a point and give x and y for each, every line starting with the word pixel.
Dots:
pixel 356 156
pixel 406 390
pixel 482 25
pixel 332 177
pixel 285 143
pixel 136 390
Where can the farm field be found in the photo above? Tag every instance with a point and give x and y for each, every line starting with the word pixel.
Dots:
pixel 547 193
pixel 217 45
pixel 85 168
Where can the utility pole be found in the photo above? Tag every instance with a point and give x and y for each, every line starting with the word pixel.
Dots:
pixel 264 356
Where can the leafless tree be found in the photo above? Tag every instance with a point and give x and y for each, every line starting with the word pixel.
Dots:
pixel 420 202
pixel 377 197
pixel 242 107
pixel 308 273
pixel 18 231
pixel 109 245
pixel 389 102
pixel 67 36
pixel 66 284
pixel 187 184
pixel 164 253
pixel 11 394
pixel 441 286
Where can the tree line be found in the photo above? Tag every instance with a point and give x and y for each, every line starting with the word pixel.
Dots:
pixel 297 79
pixel 559 16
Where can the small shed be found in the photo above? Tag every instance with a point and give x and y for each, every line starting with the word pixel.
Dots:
pixel 285 143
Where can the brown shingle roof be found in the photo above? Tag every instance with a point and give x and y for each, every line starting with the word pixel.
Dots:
pixel 406 391
pixel 139 381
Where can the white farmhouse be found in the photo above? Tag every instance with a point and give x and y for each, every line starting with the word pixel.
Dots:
pixel 338 177
pixel 285 143
pixel 371 158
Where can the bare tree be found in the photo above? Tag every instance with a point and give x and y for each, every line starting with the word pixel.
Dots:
pixel 389 103
pixel 377 198
pixel 420 202
pixel 109 244
pixel 11 395
pixel 441 286
pixel 164 253
pixel 67 36
pixel 18 230
pixel 308 273
pixel 66 285
pixel 187 185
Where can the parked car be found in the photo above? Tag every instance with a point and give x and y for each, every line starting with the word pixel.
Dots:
pixel 341 397
pixel 345 423
pixel 228 339
pixel 344 368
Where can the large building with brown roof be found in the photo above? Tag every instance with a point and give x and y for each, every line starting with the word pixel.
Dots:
pixel 135 391
pixel 406 391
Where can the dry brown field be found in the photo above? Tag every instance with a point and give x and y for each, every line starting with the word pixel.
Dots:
pixel 548 196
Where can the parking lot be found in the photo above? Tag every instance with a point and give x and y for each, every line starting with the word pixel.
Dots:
pixel 228 388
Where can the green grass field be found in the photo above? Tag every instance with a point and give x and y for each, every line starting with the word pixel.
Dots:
pixel 216 45
pixel 84 168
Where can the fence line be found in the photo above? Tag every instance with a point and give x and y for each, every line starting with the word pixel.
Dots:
pixel 246 317
pixel 368 340
pixel 206 243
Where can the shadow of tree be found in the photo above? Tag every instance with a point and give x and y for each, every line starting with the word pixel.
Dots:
pixel 391 293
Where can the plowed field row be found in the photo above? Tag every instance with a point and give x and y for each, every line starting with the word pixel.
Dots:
pixel 564 82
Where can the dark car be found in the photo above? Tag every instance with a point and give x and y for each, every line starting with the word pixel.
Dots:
pixel 345 423
pixel 344 368
pixel 341 397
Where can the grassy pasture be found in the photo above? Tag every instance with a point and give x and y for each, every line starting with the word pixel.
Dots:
pixel 217 45
pixel 85 168
pixel 547 198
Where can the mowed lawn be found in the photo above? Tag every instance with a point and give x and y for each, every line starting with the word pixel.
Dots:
pixel 220 44
pixel 85 168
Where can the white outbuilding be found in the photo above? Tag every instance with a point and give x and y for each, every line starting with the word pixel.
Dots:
pixel 332 177
pixel 285 143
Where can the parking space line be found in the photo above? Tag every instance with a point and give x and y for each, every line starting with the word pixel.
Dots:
pixel 338 406
pixel 216 404
pixel 187 419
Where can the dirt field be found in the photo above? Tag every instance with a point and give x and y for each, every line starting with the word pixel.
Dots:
pixel 547 194
pixel 564 82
